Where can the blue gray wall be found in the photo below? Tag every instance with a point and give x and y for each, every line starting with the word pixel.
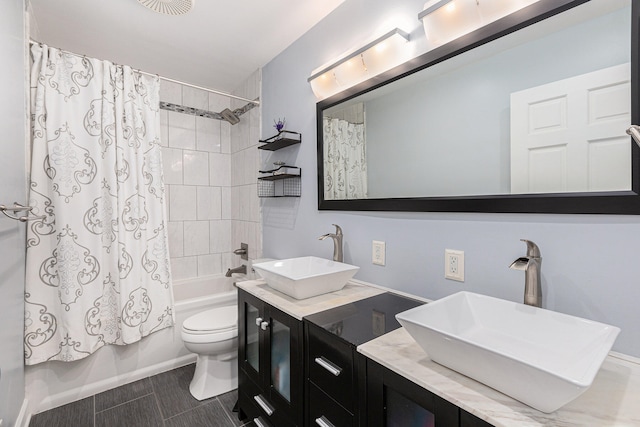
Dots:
pixel 591 264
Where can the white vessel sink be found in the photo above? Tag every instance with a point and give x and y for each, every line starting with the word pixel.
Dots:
pixel 539 357
pixel 305 277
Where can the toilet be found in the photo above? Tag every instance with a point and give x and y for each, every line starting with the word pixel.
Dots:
pixel 213 336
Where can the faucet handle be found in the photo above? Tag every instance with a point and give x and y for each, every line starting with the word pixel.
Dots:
pixel 532 249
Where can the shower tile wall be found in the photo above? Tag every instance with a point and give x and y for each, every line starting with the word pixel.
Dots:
pixel 210 210
pixel 245 163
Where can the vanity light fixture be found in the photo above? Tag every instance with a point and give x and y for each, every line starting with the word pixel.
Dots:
pixel 446 20
pixel 375 57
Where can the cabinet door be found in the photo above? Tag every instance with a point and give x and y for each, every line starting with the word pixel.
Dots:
pixel 394 401
pixel 250 316
pixel 283 354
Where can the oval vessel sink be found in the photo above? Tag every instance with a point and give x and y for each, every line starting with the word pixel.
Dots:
pixel 306 277
pixel 540 357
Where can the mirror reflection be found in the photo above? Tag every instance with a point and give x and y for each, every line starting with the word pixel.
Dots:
pixel 542 110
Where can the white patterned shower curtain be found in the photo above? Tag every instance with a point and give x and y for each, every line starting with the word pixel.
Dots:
pixel 98 263
pixel 345 160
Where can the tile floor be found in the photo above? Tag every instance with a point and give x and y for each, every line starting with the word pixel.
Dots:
pixel 159 401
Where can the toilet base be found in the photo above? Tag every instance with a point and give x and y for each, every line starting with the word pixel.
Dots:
pixel 213 377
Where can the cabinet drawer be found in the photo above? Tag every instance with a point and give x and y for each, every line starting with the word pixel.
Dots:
pixel 325 412
pixel 331 366
pixel 255 403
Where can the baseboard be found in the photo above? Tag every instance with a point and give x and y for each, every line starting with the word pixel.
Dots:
pixel 24 417
pixel 86 390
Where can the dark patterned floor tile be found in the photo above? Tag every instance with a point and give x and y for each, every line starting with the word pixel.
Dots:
pixel 123 394
pixel 172 391
pixel 142 412
pixel 77 414
pixel 228 401
pixel 209 415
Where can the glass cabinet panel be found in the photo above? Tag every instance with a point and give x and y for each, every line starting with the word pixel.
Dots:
pixel 281 359
pixel 403 412
pixel 252 340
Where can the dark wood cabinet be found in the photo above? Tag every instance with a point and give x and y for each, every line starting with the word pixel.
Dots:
pixel 270 361
pixel 336 380
pixel 394 401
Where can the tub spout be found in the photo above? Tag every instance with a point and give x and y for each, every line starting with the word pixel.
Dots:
pixel 242 270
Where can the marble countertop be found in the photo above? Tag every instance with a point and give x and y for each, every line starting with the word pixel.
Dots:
pixel 305 307
pixel 612 400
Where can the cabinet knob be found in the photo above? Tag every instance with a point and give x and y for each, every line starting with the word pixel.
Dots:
pixel 264 325
pixel 258 321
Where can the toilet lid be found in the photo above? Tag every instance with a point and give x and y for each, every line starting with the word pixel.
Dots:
pixel 218 319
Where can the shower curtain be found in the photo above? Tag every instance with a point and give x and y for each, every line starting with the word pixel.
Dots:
pixel 345 160
pixel 98 263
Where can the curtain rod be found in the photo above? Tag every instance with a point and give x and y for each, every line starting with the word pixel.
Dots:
pixel 206 89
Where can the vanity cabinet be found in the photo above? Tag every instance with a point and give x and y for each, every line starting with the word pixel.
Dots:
pixel 270 359
pixel 335 380
pixel 394 401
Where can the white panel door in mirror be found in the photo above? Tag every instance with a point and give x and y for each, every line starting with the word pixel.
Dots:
pixel 569 135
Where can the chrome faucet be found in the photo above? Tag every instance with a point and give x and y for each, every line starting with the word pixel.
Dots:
pixel 530 264
pixel 242 270
pixel 337 243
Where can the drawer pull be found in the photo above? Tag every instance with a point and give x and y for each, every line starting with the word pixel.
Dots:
pixel 264 404
pixel 259 423
pixel 335 370
pixel 323 422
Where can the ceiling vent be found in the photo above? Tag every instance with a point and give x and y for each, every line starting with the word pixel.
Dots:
pixel 168 7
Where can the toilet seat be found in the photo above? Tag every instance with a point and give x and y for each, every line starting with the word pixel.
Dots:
pixel 213 325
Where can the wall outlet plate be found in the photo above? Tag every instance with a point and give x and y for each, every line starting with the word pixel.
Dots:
pixel 378 253
pixel 454 265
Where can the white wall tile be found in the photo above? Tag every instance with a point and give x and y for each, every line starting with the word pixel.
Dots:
pixel 226 203
pixel 170 92
pixel 209 203
pixel 164 128
pixel 196 236
pixel 176 239
pixel 196 167
pixel 209 264
pixel 231 260
pixel 172 165
pixel 184 268
pixel 208 135
pixel 195 98
pixel 182 130
pixel 225 137
pixel 237 168
pixel 182 203
pixel 219 169
pixel 220 236
pixel 217 103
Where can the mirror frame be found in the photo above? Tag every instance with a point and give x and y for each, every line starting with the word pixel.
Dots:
pixel 618 202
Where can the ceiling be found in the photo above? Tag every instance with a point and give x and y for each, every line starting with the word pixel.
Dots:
pixel 218 44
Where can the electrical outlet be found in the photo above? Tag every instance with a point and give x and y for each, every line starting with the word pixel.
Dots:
pixel 378 255
pixel 454 265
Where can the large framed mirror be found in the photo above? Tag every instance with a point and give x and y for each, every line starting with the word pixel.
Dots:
pixel 527 114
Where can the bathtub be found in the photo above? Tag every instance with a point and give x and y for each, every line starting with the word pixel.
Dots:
pixel 52 384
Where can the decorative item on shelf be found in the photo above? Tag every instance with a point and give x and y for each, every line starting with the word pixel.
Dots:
pixel 283 181
pixel 279 125
pixel 284 138
pixel 356 66
pixel 446 20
